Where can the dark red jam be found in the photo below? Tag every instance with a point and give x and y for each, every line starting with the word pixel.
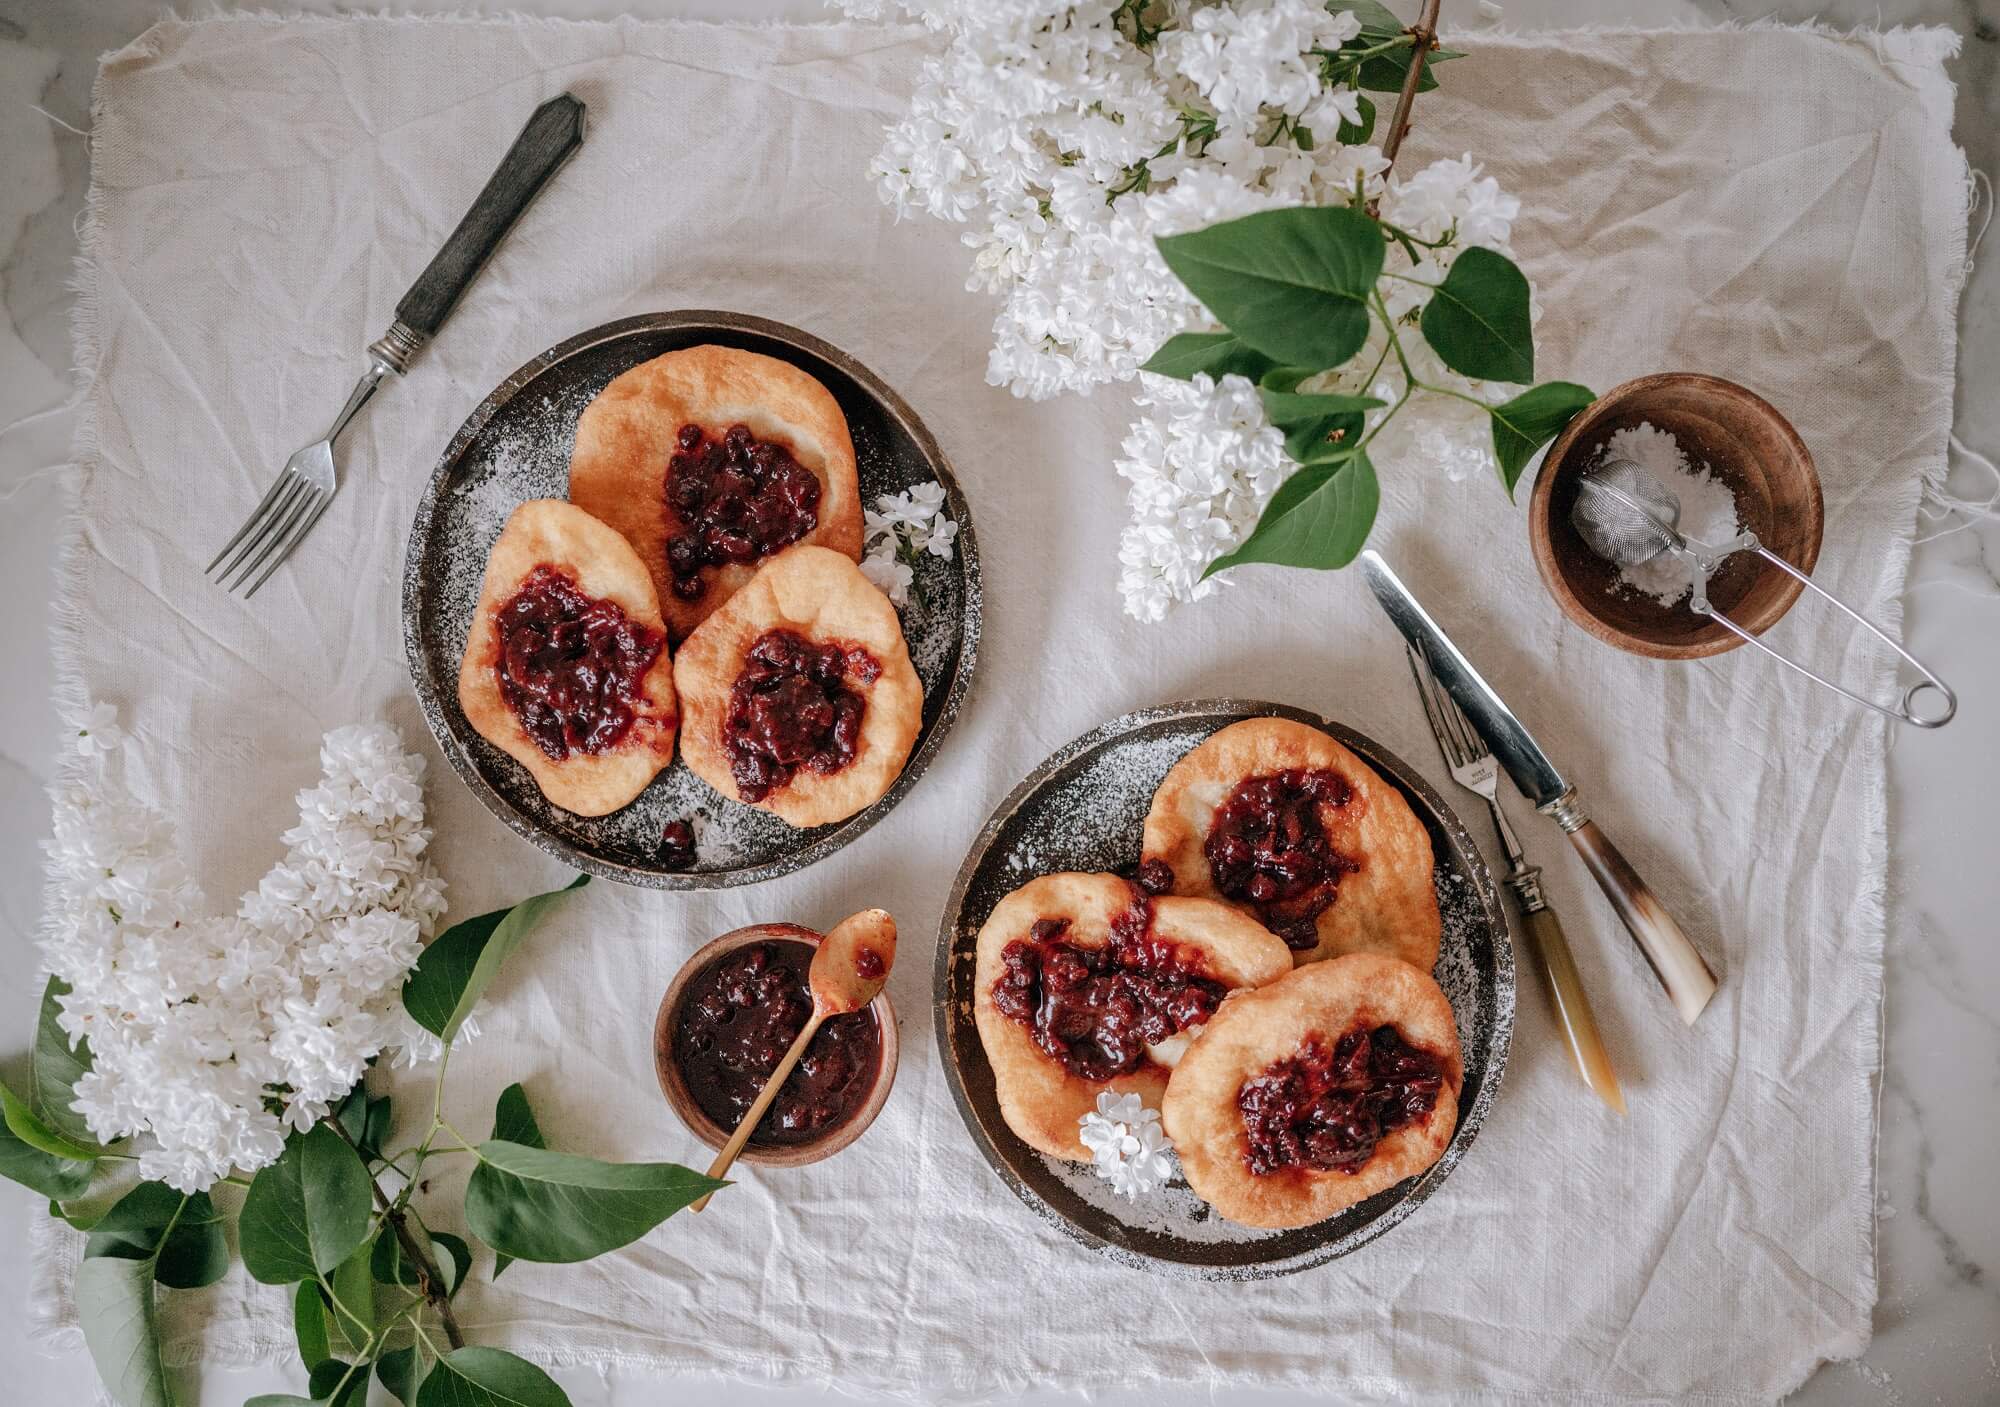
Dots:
pixel 739 1017
pixel 1095 1010
pixel 738 498
pixel 676 848
pixel 791 708
pixel 570 665
pixel 1326 1108
pixel 1268 846
pixel 868 964
pixel 1155 876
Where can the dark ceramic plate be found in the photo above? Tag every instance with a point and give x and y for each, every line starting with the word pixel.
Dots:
pixel 1084 809
pixel 516 446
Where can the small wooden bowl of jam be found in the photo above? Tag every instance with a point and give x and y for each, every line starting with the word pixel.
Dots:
pixel 730 1015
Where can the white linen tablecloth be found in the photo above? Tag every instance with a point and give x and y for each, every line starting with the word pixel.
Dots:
pixel 1782 207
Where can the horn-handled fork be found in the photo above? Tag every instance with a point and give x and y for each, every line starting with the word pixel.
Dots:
pixel 1472 767
pixel 306 485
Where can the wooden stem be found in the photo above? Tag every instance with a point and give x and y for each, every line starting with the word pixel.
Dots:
pixel 430 1280
pixel 1425 33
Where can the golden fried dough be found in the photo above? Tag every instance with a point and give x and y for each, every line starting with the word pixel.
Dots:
pixel 547 532
pixel 626 438
pixel 1255 1030
pixel 821 596
pixel 1040 1099
pixel 1387 905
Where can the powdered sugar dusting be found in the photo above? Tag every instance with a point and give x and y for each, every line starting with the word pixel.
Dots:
pixel 1708 508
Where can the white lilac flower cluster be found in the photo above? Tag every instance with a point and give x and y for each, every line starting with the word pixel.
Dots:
pixel 900 529
pixel 215 1035
pixel 1072 134
pixel 1128 1148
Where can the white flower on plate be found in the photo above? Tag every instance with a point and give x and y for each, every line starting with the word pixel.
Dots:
pixel 213 1035
pixel 1128 1148
pixel 898 530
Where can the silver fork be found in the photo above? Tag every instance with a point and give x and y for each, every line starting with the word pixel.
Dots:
pixel 306 485
pixel 1472 766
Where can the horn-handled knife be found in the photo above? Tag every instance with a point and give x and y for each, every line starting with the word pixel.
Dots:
pixel 1680 968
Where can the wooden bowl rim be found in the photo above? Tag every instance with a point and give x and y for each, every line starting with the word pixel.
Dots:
pixel 1717 639
pixel 682 1101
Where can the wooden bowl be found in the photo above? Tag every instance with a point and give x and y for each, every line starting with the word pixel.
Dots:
pixel 789 1155
pixel 1744 442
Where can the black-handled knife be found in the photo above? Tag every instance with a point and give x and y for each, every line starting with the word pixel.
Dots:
pixel 1680 968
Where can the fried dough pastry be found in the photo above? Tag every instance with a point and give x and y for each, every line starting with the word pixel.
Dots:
pixel 1090 966
pixel 1294 1105
pixel 730 505
pixel 566 667
pixel 1279 819
pixel 799 693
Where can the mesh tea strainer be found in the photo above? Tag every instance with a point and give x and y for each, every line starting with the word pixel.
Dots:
pixel 1627 516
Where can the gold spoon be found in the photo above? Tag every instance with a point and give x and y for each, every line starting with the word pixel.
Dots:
pixel 847 973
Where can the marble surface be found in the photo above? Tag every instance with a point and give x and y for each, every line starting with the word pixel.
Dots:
pixel 1937 1323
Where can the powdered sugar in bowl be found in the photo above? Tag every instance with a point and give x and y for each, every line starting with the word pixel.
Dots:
pixel 1723 449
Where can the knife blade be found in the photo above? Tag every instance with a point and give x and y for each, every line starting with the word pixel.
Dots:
pixel 1675 961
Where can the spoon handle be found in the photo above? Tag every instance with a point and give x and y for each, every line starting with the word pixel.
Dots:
pixel 764 1098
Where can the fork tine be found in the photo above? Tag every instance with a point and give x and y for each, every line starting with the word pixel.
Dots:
pixel 1426 689
pixel 278 484
pixel 300 506
pixel 297 536
pixel 1475 746
pixel 294 486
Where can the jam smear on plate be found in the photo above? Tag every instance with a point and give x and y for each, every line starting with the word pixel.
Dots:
pixel 676 848
pixel 739 1017
pixel 1326 1107
pixel 738 499
pixel 791 708
pixel 1268 846
pixel 571 666
pixel 1095 1010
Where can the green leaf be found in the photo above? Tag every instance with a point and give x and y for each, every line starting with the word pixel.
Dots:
pixel 1219 354
pixel 488 1377
pixel 354 1294
pixel 1354 134
pixel 1318 518
pixel 1529 421
pixel 535 1204
pixel 392 1265
pixel 1292 284
pixel 366 1118
pixel 191 1255
pixel 110 1180
pixel 462 962
pixel 1477 320
pixel 307 1212
pixel 59 1179
pixel 25 1124
pixel 57 1067
pixel 401 1372
pixel 309 1311
pixel 114 1303
pixel 514 1122
pixel 351 1383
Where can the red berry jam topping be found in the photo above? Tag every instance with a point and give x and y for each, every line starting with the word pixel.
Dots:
pixel 1154 876
pixel 868 964
pixel 676 848
pixel 739 1017
pixel 1327 1107
pixel 738 498
pixel 1268 846
pixel 791 707
pixel 571 666
pixel 1095 1010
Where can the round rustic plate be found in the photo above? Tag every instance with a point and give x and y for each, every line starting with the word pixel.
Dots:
pixel 1084 809
pixel 516 446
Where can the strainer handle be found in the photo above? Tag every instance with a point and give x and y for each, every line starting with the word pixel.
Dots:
pixel 1904 710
